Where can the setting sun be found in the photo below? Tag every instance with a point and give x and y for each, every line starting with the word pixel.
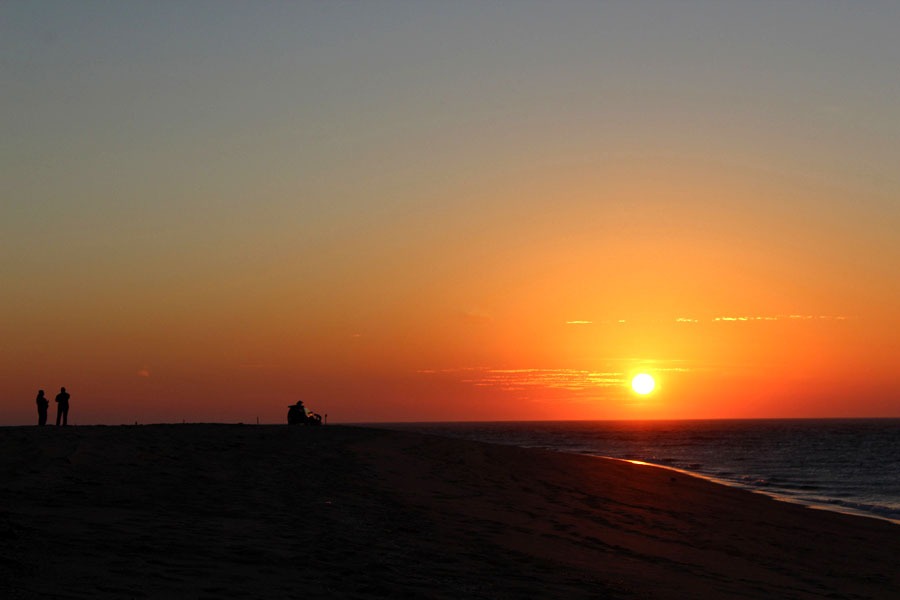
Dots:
pixel 643 383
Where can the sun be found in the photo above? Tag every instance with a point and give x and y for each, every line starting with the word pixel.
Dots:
pixel 642 384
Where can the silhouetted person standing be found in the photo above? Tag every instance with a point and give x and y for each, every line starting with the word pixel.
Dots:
pixel 42 404
pixel 62 406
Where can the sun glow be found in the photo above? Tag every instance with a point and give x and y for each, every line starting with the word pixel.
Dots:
pixel 642 383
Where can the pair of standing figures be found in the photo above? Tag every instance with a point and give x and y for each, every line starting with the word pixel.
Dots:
pixel 62 407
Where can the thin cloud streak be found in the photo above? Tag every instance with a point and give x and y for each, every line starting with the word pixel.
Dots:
pixel 725 319
pixel 573 380
pixel 742 319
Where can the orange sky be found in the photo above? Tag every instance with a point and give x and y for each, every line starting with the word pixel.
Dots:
pixel 460 214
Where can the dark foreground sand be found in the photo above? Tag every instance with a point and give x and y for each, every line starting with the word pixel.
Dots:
pixel 226 511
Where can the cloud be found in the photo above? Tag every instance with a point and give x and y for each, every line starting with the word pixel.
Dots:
pixel 564 379
pixel 574 383
pixel 758 318
pixel 743 319
pixel 723 319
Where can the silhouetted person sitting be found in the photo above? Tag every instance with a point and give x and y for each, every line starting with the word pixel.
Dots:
pixel 296 413
pixel 62 407
pixel 42 405
pixel 300 415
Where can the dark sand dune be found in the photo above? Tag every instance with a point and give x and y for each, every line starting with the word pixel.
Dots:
pixel 230 511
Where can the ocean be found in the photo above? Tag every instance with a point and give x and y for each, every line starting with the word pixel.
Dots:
pixel 846 465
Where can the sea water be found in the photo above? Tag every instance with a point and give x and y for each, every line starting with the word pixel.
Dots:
pixel 848 465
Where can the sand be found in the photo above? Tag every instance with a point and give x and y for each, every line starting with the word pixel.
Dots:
pixel 233 511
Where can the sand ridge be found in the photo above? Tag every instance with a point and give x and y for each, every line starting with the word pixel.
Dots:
pixel 232 511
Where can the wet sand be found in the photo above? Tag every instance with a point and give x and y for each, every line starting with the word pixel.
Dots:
pixel 232 511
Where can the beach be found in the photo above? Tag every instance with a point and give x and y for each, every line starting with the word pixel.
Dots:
pixel 247 511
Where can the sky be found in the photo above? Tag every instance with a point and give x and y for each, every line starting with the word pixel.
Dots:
pixel 414 211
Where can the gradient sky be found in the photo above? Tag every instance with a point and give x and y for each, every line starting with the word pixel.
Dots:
pixel 449 210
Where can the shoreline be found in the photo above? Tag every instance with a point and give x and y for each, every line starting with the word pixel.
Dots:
pixel 827 495
pixel 824 506
pixel 240 511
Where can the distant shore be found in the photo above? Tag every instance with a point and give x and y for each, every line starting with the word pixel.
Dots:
pixel 247 511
